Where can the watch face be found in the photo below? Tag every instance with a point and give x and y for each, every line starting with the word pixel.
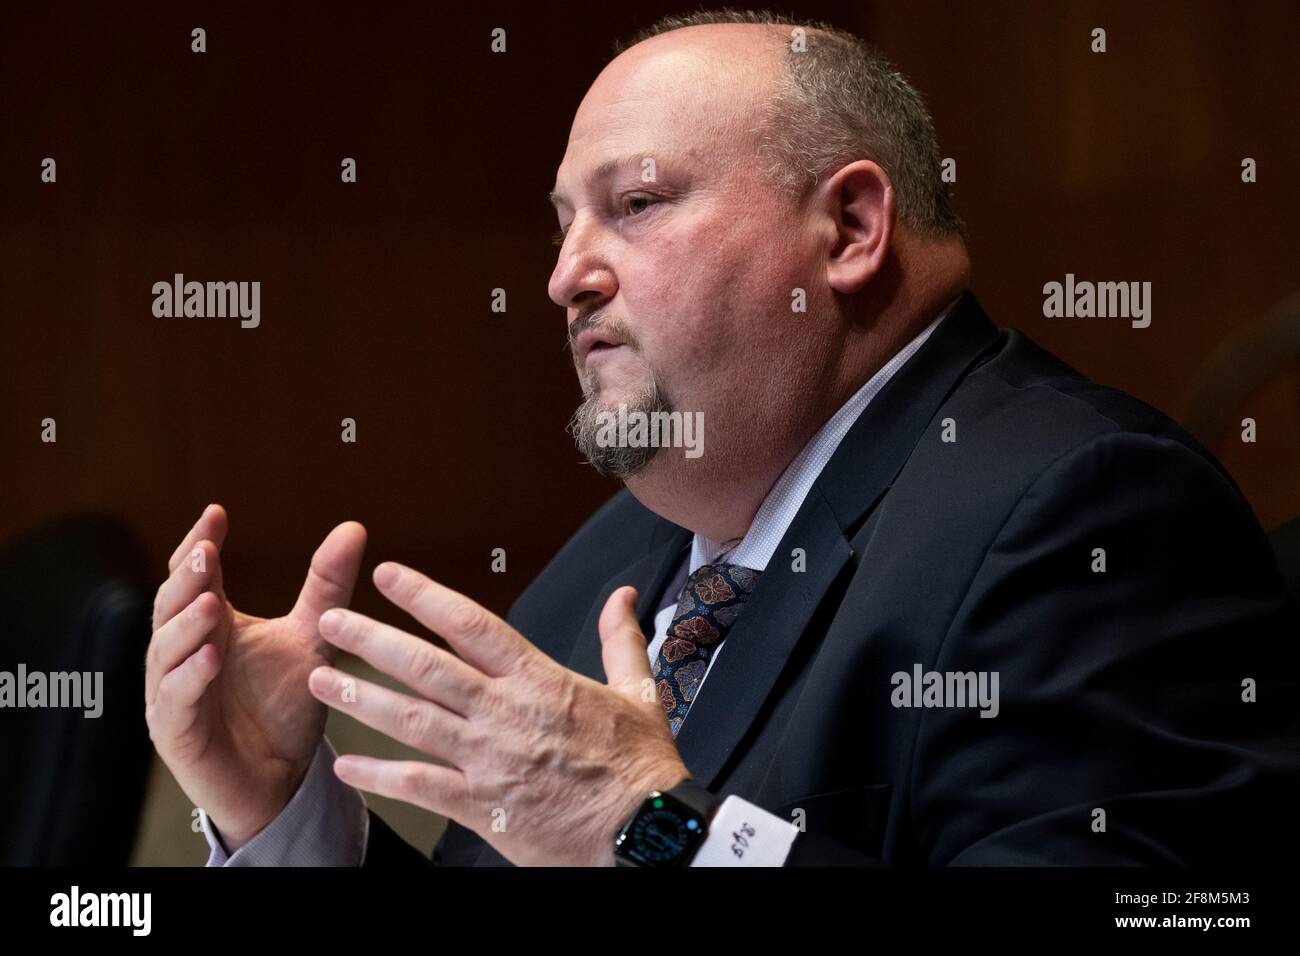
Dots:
pixel 660 834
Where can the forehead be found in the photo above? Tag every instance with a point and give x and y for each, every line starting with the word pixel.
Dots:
pixel 691 96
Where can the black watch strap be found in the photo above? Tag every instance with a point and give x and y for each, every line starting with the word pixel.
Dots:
pixel 696 797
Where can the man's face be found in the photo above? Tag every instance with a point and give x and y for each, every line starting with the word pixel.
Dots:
pixel 678 261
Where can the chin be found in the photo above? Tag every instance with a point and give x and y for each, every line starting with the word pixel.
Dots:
pixel 608 398
pixel 660 474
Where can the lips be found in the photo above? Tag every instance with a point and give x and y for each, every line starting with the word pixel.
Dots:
pixel 592 342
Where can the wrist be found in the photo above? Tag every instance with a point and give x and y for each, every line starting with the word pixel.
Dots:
pixel 232 838
pixel 234 834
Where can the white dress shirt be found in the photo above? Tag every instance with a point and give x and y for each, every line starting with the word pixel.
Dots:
pixel 326 822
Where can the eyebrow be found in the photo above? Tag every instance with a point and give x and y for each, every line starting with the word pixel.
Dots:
pixel 604 170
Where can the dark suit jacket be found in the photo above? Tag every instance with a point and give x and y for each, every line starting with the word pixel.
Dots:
pixel 1119 690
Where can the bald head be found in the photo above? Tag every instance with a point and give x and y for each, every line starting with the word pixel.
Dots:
pixel 701 89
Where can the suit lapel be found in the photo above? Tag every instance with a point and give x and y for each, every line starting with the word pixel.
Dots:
pixel 776 618
pixel 649 575
pixel 762 640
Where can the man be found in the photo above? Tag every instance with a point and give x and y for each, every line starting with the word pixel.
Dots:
pixel 928 596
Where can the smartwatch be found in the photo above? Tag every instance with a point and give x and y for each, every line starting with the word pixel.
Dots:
pixel 668 828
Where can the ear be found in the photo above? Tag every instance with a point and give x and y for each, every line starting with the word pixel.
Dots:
pixel 858 200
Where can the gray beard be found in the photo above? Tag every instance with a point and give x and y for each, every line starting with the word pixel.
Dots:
pixel 614 461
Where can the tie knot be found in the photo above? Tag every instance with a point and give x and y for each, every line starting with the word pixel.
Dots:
pixel 715 584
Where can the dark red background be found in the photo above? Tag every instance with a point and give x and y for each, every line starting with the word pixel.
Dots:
pixel 375 296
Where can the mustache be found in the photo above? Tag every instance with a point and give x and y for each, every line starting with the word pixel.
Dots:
pixel 595 320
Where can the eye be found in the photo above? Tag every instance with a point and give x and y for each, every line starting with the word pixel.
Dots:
pixel 637 203
pixel 557 238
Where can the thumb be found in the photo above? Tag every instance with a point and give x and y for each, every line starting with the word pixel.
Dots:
pixel 333 573
pixel 623 646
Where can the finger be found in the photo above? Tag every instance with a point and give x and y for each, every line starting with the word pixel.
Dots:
pixel 623 646
pixel 199 571
pixel 212 524
pixel 430 671
pixel 474 632
pixel 179 693
pixel 178 639
pixel 421 724
pixel 442 790
pixel 332 574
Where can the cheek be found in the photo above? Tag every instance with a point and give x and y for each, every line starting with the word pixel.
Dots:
pixel 710 303
pixel 665 303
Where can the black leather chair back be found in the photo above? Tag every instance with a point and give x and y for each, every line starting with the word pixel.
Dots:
pixel 75 596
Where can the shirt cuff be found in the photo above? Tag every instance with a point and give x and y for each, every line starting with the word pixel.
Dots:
pixel 743 834
pixel 326 823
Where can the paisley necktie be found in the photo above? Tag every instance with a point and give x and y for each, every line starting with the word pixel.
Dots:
pixel 710 604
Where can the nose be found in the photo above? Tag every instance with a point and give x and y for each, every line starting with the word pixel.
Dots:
pixel 583 277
